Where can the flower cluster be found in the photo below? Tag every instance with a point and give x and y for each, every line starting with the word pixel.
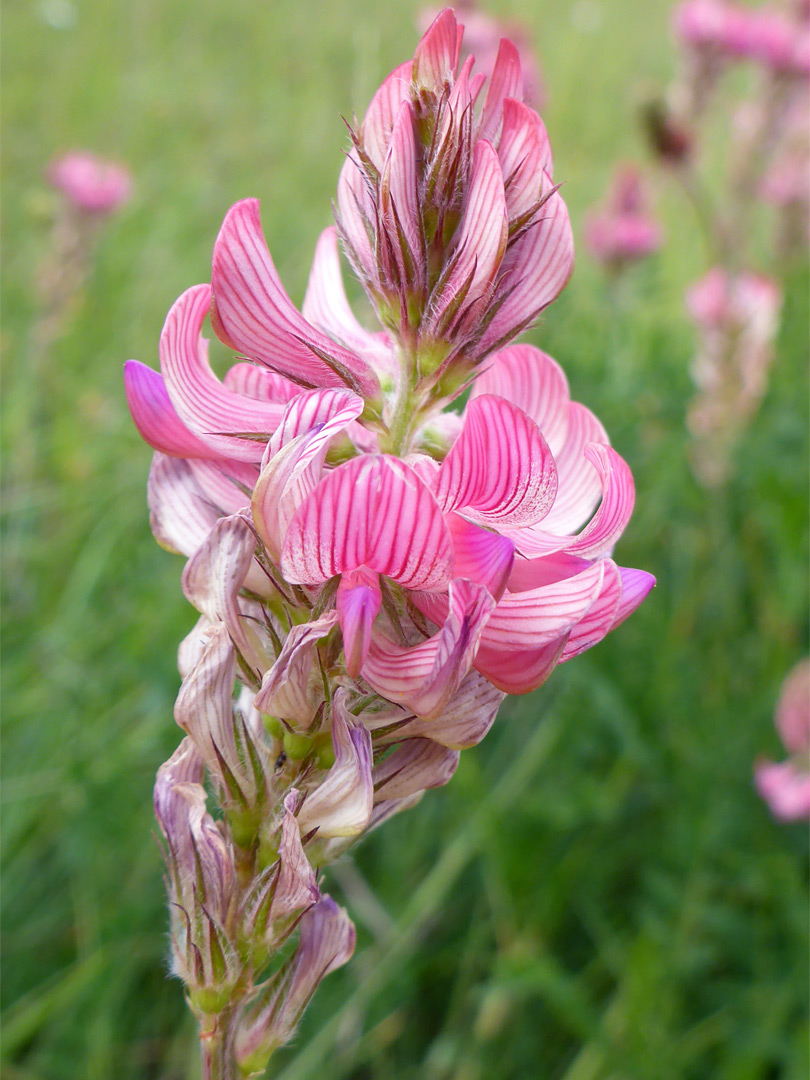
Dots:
pixel 785 786
pixel 373 572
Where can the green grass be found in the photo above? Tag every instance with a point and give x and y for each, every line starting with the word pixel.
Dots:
pixel 599 893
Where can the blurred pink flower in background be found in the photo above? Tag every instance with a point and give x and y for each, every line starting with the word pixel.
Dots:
pixel 737 316
pixel 785 786
pixel 622 230
pixel 766 35
pixel 90 183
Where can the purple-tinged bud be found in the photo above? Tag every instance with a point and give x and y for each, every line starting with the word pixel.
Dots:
pixel 326 943
pixel 340 804
pixel 200 879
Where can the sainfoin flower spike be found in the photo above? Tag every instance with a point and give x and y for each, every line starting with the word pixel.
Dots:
pixel 372 573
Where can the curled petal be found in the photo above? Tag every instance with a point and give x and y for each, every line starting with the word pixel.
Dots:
pixel 465 719
pixel 383 111
pixel 600 617
pixel 579 486
pixel 400 215
pixel 232 424
pixel 341 803
pixel 426 676
pixel 528 620
pixel 296 886
pixel 259 318
pixel 505 82
pixel 616 508
pixel 537 384
pixel 155 416
pixel 500 470
pixel 314 408
pixel 355 517
pixel 636 586
pixel 358 603
pixel 292 688
pixel 532 573
pixel 480 555
pixel 416 765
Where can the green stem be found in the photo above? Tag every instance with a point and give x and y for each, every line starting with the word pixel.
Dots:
pixel 217 1053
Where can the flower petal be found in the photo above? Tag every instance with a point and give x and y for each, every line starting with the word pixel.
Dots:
pixel 500 470
pixel 358 603
pixel 258 382
pixel 524 152
pixel 537 384
pixel 400 231
pixel 355 517
pixel 226 421
pixel 600 617
pixel 155 416
pixel 292 688
pixel 326 307
pixel 636 586
pixel 436 57
pixel 260 319
pixel 416 765
pixel 425 676
pixel 341 803
pixel 534 270
pixel 180 514
pixel 519 671
pixel 506 81
pixel 480 555
pixel 383 111
pixel 465 719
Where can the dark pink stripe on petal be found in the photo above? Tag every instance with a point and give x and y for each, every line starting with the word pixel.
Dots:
pixel 506 81
pixel 372 511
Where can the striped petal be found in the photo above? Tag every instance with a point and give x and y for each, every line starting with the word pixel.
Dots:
pixel 524 152
pixel 500 470
pixel 416 765
pixel 233 425
pixel 155 417
pixel 292 689
pixel 481 240
pixel 600 617
pixel 180 515
pixel 530 379
pixel 519 671
pixel 436 57
pixel 383 111
pixel 534 270
pixel 341 804
pixel 400 215
pixel 372 511
pixel 356 217
pixel 294 470
pixel 326 307
pixel 616 507
pixel 258 382
pixel 213 577
pixel 465 719
pixel 506 81
pixel 424 677
pixel 259 318
pixel 579 486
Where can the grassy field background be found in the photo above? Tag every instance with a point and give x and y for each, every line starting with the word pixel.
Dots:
pixel 599 894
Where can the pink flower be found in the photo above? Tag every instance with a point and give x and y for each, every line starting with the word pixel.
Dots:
pixel 622 230
pixel 769 37
pixel 90 183
pixel 786 786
